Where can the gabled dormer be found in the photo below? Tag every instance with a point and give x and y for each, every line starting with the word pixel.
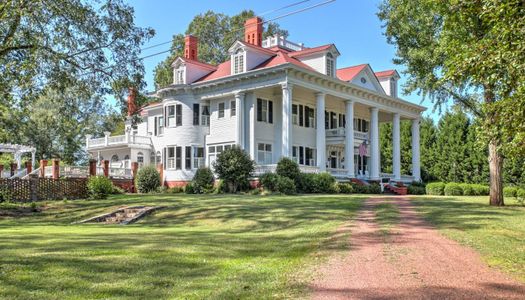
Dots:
pixel 323 59
pixel 188 69
pixel 361 75
pixel 388 80
pixel 245 56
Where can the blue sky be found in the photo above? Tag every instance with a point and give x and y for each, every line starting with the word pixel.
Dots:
pixel 351 25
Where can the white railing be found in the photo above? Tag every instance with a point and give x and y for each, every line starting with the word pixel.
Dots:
pixel 119 140
pixel 340 132
pixel 337 172
pixel 48 171
pixel 97 142
pixel 74 171
pixel 277 40
pixel 137 139
pixel 34 172
pixel 120 172
pixel 309 169
pixel 261 169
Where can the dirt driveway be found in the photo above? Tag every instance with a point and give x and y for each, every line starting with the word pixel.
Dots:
pixel 414 261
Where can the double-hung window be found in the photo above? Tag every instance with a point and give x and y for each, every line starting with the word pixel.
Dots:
pixel 310 156
pixel 295 114
pixel 171 157
pixel 171 115
pixel 179 76
pixel 196 112
pixel 205 116
pixel 233 108
pixel 330 64
pixel 264 110
pixel 178 158
pixel 295 154
pixel 198 157
pixel 179 114
pixel 264 154
pixel 311 117
pixel 187 158
pixel 221 110
pixel 160 125
pixel 238 62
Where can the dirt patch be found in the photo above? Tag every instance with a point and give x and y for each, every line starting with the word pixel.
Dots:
pixel 414 262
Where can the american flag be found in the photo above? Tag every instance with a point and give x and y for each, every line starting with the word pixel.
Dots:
pixel 362 149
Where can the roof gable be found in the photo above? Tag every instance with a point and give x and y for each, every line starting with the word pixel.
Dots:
pixel 361 75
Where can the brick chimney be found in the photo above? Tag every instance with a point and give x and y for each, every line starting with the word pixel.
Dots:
pixel 253 30
pixel 132 105
pixel 191 45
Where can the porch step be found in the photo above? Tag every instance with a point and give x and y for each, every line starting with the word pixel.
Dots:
pixel 122 216
pixel 398 190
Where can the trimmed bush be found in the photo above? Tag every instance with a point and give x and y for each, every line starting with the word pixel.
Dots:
pixel 99 187
pixel 416 190
pixel 118 190
pixel 285 185
pixel 234 166
pixel 374 188
pixel 510 191
pixel 345 188
pixel 481 190
pixel 306 183
pixel 175 190
pixel 453 189
pixel 360 189
pixel 288 168
pixel 436 188
pixel 269 181
pixel 203 181
pixel 148 179
pixel 468 189
pixel 188 189
pixel 520 196
pixel 323 183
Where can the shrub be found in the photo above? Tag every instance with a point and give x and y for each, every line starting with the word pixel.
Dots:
pixel 418 183
pixel 345 188
pixel 235 167
pixel 148 179
pixel 269 181
pixel 175 190
pixel 480 190
pixel 5 195
pixel 220 187
pixel 468 189
pixel 323 183
pixel 117 190
pixel 520 196
pixel 188 189
pixel 203 181
pixel 453 189
pixel 99 187
pixel 360 188
pixel 374 188
pixel 415 190
pixel 285 185
pixel 436 188
pixel 510 191
pixel 306 183
pixel 288 168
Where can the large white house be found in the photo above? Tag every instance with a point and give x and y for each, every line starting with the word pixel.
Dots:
pixel 273 98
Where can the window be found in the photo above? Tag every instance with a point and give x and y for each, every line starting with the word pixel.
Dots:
pixel 171 116
pixel 264 154
pixel 333 120
pixel 238 62
pixel 161 125
pixel 198 157
pixel 361 125
pixel 178 158
pixel 114 158
pixel 158 126
pixel 196 111
pixel 264 110
pixel 179 114
pixel 310 156
pixel 152 158
pixel 330 64
pixel 301 155
pixel 311 117
pixel 179 76
pixel 171 158
pixel 158 157
pixel 301 115
pixel 294 114
pixel 221 110
pixel 233 108
pixel 295 154
pixel 140 159
pixel 187 158
pixel 205 116
pixel 326 120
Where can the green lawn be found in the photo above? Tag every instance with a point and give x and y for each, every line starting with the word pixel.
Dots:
pixel 498 233
pixel 198 247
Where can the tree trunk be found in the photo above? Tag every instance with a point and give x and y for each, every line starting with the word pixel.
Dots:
pixel 496 182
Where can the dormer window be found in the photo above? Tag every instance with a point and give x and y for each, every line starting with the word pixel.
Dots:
pixel 179 76
pixel 330 64
pixel 238 61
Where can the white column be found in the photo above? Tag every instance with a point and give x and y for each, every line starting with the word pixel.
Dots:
pixel 239 128
pixel 287 120
pixel 321 132
pixel 416 169
pixel 396 147
pixel 374 143
pixel 252 103
pixel 349 139
pixel 88 137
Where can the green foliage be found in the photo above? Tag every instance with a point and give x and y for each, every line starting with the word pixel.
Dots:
pixel 374 188
pixel 317 183
pixel 269 181
pixel 520 195
pixel 453 189
pixel 345 188
pixel 360 188
pixel 5 195
pixel 175 190
pixel 99 187
pixel 286 185
pixel 510 191
pixel 416 190
pixel 436 188
pixel 203 181
pixel 117 190
pixel 189 189
pixel 216 33
pixel 288 168
pixel 234 166
pixel 468 189
pixel 481 190
pixel 148 179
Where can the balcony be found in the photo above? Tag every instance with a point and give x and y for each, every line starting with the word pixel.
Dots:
pixel 278 40
pixel 117 140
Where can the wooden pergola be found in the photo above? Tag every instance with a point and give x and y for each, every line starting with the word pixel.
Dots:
pixel 18 151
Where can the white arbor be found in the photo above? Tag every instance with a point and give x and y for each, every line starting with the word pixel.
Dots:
pixel 18 151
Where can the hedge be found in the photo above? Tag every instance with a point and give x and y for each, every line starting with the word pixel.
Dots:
pixel 453 189
pixel 436 188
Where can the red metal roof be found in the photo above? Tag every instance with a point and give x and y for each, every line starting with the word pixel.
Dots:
pixel 348 73
pixel 311 50
pixel 386 73
pixel 199 63
pixel 223 70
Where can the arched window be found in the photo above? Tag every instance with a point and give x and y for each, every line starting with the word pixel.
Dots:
pixel 114 158
pixel 126 162
pixel 152 158
pixel 126 157
pixel 330 64
pixel 159 157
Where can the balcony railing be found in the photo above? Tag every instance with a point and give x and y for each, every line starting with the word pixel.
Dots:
pixel 261 169
pixel 277 40
pixel 340 132
pixel 118 140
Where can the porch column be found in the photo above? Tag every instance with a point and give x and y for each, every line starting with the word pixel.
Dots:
pixel 252 112
pixel 33 157
pixel 349 139
pixel 321 132
pixel 396 147
pixel 239 111
pixel 416 169
pixel 286 150
pixel 374 143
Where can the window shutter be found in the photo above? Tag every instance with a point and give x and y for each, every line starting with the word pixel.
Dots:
pixel 270 112
pixel 301 115
pixel 164 158
pixel 259 110
pixel 307 116
pixel 326 120
pixel 155 126
pixel 165 116
pixel 196 108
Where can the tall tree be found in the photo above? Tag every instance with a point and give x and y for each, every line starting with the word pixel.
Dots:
pixel 216 33
pixel 469 51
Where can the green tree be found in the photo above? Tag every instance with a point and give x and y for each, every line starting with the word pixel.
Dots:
pixel 234 166
pixel 469 51
pixel 216 33
pixel 427 135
